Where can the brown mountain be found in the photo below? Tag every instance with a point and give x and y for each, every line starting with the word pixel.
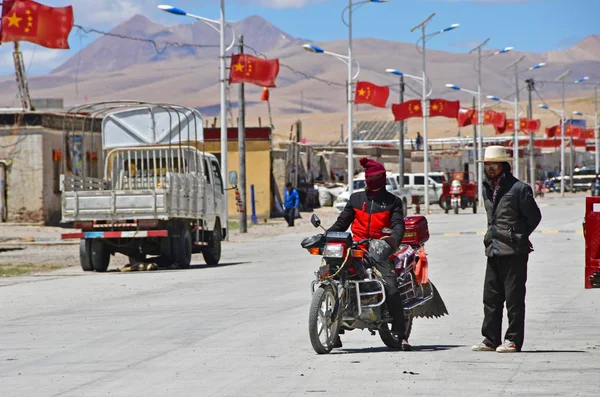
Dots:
pixel 113 68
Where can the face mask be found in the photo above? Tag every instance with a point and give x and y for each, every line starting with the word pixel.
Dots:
pixel 375 184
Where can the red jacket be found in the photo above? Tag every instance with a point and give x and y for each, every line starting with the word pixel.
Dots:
pixel 369 213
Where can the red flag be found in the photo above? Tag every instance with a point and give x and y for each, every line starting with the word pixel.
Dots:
pixel 466 117
pixel 265 94
pixel 248 69
pixel 37 23
pixel 553 131
pixel 588 134
pixel 573 131
pixel 443 108
pixel 529 125
pixel 371 94
pixel 494 118
pixel 403 111
pixel 500 129
pixel 510 125
pixel 6 5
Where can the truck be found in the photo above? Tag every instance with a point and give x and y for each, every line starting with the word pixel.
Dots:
pixel 161 197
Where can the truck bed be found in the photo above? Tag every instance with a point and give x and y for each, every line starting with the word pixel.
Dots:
pixel 87 199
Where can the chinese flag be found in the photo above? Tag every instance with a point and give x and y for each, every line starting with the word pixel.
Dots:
pixel 500 129
pixel 572 131
pixel 588 134
pixel 553 131
pixel 248 69
pixel 38 23
pixel 529 125
pixel 443 108
pixel 403 111
pixel 371 94
pixel 466 117
pixel 497 119
pixel 510 125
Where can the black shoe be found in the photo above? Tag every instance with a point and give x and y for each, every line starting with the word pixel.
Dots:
pixel 405 346
pixel 337 342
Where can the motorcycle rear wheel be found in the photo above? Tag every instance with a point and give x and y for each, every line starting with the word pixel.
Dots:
pixel 321 329
pixel 390 339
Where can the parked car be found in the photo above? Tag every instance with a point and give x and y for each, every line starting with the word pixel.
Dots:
pixel 359 184
pixel 416 183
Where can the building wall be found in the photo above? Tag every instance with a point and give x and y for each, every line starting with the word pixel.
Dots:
pixel 258 173
pixel 22 148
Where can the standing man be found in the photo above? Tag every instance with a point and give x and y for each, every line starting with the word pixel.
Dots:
pixel 291 200
pixel 419 140
pixel 512 216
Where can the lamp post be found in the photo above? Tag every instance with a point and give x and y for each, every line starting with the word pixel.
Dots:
pixel 219 26
pixel 596 126
pixel 348 61
pixel 424 37
pixel 479 151
pixel 561 114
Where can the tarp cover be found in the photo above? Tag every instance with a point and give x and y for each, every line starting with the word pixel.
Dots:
pixel 146 126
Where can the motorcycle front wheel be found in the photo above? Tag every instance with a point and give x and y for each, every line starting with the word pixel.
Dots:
pixel 322 329
pixel 390 339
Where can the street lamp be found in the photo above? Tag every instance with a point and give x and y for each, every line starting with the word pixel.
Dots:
pixel 403 124
pixel 219 26
pixel 561 114
pixel 348 61
pixel 479 151
pixel 424 37
pixel 596 126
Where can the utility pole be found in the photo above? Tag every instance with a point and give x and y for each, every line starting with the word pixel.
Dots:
pixel 475 148
pixel 530 86
pixel 242 150
pixel 401 139
pixel 301 101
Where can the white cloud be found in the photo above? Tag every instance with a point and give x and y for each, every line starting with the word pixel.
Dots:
pixel 285 3
pixel 105 12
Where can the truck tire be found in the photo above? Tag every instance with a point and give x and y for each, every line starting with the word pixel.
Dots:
pixel 181 247
pixel 85 258
pixel 212 253
pixel 100 256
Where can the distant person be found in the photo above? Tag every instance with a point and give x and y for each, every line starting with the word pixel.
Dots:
pixel 512 216
pixel 419 140
pixel 291 201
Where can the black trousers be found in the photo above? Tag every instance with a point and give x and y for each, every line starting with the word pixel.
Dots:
pixel 393 298
pixel 505 279
pixel 289 214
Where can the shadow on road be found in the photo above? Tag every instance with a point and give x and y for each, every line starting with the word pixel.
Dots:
pixel 552 351
pixel 383 349
pixel 205 266
pixel 11 249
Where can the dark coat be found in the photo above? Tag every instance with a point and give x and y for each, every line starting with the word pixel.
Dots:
pixel 511 218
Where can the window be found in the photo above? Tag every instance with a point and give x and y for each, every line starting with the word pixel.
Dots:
pixel 419 180
pixel 217 175
pixel 207 171
pixel 406 180
pixel 438 178
pixel 359 184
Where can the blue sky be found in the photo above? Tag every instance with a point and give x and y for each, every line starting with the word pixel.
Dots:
pixel 528 25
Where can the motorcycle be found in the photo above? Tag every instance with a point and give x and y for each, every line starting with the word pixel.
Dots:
pixel 348 291
pixel 456 192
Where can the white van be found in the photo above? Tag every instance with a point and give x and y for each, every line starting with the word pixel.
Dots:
pixel 416 183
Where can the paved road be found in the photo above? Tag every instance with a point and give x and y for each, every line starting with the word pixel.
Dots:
pixel 240 329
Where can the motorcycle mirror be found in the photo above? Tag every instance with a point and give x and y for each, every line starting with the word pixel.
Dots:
pixel 314 219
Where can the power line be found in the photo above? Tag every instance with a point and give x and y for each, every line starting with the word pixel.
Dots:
pixel 159 48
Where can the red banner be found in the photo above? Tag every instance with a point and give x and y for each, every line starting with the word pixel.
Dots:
pixel 443 108
pixel 37 23
pixel 403 111
pixel 249 69
pixel 371 94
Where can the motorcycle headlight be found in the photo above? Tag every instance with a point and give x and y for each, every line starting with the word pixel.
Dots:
pixel 334 251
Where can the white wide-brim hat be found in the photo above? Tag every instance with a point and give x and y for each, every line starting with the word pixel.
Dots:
pixel 495 154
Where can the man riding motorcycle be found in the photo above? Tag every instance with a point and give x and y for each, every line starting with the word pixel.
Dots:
pixel 368 213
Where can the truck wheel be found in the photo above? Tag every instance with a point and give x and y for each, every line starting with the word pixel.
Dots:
pixel 100 256
pixel 212 253
pixel 474 206
pixel 85 258
pixel 181 247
